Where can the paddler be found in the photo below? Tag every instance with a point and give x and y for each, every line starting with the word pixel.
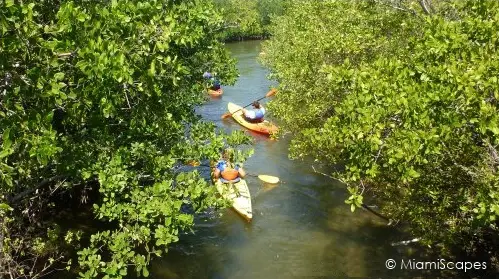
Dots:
pixel 215 83
pixel 255 115
pixel 223 169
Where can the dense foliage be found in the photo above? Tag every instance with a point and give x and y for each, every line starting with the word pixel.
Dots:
pixel 405 95
pixel 97 117
pixel 248 19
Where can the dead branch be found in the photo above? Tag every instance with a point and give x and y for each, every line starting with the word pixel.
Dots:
pixel 42 184
pixel 426 6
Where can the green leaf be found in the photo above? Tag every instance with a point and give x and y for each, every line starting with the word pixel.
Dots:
pixel 81 17
pixel 152 68
pixel 5 207
pixel 59 76
pixel 8 181
pixel 4 153
pixel 7 142
pixel 145 272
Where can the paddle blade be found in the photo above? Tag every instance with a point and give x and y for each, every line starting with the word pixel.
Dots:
pixel 272 92
pixel 226 115
pixel 268 179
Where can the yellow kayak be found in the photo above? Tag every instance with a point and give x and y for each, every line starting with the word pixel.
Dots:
pixel 239 194
pixel 264 127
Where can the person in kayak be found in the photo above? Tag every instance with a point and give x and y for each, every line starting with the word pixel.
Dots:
pixel 215 83
pixel 256 115
pixel 224 170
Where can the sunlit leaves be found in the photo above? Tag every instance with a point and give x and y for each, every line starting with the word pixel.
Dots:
pixel 103 95
pixel 407 104
pixel 250 18
pixel 355 200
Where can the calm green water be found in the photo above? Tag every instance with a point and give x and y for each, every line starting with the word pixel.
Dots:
pixel 301 228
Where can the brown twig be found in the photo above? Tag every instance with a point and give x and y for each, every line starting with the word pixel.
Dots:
pixel 316 171
pixel 127 101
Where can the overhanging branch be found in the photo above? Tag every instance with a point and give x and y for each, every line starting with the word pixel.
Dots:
pixel 363 204
pixel 42 184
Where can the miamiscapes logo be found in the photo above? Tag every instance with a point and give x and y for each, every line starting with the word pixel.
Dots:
pixel 440 264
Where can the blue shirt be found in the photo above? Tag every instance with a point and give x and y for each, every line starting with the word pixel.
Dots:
pixel 222 165
pixel 255 113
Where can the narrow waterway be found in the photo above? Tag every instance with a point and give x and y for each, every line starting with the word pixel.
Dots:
pixel 301 228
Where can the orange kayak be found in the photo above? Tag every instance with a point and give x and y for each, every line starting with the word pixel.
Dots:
pixel 264 127
pixel 216 93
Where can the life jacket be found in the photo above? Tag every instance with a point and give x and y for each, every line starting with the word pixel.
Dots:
pixel 227 172
pixel 230 174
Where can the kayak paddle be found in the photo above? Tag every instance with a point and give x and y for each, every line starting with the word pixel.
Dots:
pixel 268 179
pixel 270 93
pixel 263 177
